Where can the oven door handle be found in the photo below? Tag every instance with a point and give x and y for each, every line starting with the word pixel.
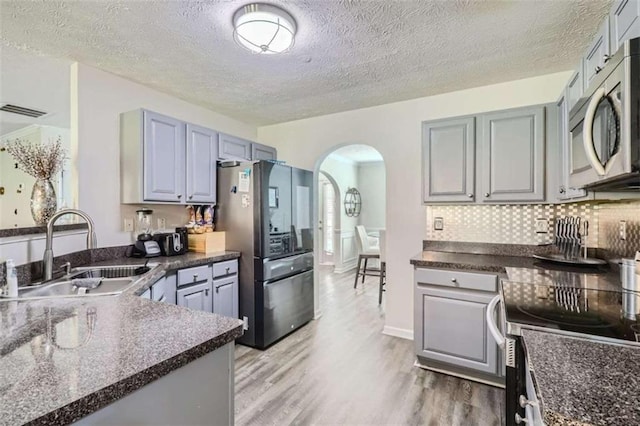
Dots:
pixel 587 132
pixel 491 321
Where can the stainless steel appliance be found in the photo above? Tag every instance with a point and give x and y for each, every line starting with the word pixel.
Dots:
pixel 605 126
pixel 171 243
pixel 266 210
pixel 573 304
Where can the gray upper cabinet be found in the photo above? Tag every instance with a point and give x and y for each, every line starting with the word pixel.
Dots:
pixel 511 154
pixel 624 22
pixel 233 148
pixel 225 296
pixel 448 160
pixel 163 163
pixel 263 152
pixel 202 155
pixel 564 190
pixel 574 89
pixel 596 55
pixel 197 296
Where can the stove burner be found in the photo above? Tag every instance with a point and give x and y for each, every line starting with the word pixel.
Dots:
pixel 562 318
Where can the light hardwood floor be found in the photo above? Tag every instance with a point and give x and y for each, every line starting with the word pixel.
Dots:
pixel 341 370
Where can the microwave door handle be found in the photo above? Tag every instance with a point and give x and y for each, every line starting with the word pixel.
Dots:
pixel 587 132
pixel 491 321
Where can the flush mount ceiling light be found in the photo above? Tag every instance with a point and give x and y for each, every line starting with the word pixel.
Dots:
pixel 263 28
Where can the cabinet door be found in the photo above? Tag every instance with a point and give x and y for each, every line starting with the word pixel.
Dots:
pixel 597 53
pixel 196 297
pixel 448 160
pixel 146 294
pixel 565 191
pixel 263 152
pixel 453 328
pixel 624 22
pixel 164 146
pixel 233 148
pixel 158 290
pixel 225 297
pixel 202 155
pixel 170 289
pixel 512 155
pixel 574 89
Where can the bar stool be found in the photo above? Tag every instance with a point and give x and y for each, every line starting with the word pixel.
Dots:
pixel 383 266
pixel 369 249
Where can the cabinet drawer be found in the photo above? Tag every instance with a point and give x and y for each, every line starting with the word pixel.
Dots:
pixel 448 278
pixel 192 275
pixel 222 269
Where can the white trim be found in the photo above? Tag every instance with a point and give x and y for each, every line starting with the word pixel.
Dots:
pixel 345 267
pixel 317 314
pixel 402 333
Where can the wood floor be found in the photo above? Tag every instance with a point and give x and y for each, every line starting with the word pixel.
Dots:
pixel 340 370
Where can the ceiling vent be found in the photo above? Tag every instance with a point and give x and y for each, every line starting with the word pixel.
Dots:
pixel 22 111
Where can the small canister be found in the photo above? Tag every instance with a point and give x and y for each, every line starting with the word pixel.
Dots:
pixel 628 275
pixel 630 295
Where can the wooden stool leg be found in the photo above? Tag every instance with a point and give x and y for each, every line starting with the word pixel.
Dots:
pixel 355 284
pixel 383 274
pixel 364 271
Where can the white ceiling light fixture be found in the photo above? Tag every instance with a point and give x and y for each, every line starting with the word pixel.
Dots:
pixel 264 28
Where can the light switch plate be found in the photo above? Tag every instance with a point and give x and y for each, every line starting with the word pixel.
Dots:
pixel 438 223
pixel 542 226
pixel 623 230
pixel 128 225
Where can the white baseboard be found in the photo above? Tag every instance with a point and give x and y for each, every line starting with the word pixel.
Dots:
pixel 344 268
pixel 317 314
pixel 402 333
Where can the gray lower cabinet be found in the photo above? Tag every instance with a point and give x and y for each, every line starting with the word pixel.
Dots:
pixel 233 148
pixel 164 290
pixel 448 160
pixel 512 155
pixel 225 296
pixel 263 152
pixel 450 328
pixel 196 296
pixel 146 294
pixel 624 22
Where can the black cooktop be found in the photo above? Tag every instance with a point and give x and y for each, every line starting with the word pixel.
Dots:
pixel 572 307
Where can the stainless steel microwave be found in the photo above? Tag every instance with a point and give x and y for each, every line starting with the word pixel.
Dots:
pixel 604 143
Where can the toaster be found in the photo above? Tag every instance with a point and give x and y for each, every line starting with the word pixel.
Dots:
pixel 172 243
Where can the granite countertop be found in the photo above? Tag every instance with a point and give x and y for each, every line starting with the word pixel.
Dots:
pixel 584 382
pixel 470 261
pixel 64 358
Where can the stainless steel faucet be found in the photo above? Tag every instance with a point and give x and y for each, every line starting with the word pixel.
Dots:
pixel 47 260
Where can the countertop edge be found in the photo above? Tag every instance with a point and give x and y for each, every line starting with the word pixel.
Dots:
pixel 93 402
pixel 418 261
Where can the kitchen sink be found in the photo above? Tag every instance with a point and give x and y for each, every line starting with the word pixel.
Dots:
pixel 75 287
pixel 109 271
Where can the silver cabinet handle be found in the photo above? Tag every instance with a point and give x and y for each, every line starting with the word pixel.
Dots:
pixel 491 321
pixel 195 277
pixel 454 280
pixel 470 195
pixel 520 420
pixel 606 58
pixel 562 190
pixel 486 194
pixel 227 270
pixel 598 69
pixel 190 196
pixel 179 195
pixel 523 401
pixel 206 291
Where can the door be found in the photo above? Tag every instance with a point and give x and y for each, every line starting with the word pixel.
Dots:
pixel 197 297
pixel 233 148
pixel 202 155
pixel 274 202
pixel 225 296
pixel 301 210
pixel 287 305
pixel 624 22
pixel 164 156
pixel 448 160
pixel 454 328
pixel 597 54
pixel 327 220
pixel 512 150
pixel 263 152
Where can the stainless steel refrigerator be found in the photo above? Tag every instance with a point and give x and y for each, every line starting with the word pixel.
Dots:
pixel 266 210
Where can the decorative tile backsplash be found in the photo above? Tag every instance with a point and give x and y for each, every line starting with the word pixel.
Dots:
pixel 515 224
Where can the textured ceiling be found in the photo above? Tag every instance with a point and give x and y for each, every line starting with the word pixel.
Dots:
pixel 348 53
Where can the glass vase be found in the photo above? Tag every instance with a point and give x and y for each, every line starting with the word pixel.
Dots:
pixel 43 201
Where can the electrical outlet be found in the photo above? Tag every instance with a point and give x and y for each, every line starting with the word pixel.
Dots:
pixel 245 323
pixel 438 223
pixel 542 226
pixel 128 225
pixel 622 229
pixel 162 223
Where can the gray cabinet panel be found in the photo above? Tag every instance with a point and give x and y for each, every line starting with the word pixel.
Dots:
pixel 202 155
pixel 575 88
pixel 451 328
pixel 225 296
pixel 263 152
pixel 512 149
pixel 146 294
pixel 233 148
pixel 624 22
pixel 596 54
pixel 198 297
pixel 164 146
pixel 564 190
pixel 170 289
pixel 448 160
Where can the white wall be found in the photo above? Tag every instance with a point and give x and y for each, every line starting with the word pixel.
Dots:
pixel 395 131
pixel 100 98
pixel 30 248
pixel 371 184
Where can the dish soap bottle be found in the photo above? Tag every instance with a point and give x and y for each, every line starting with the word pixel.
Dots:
pixel 12 279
